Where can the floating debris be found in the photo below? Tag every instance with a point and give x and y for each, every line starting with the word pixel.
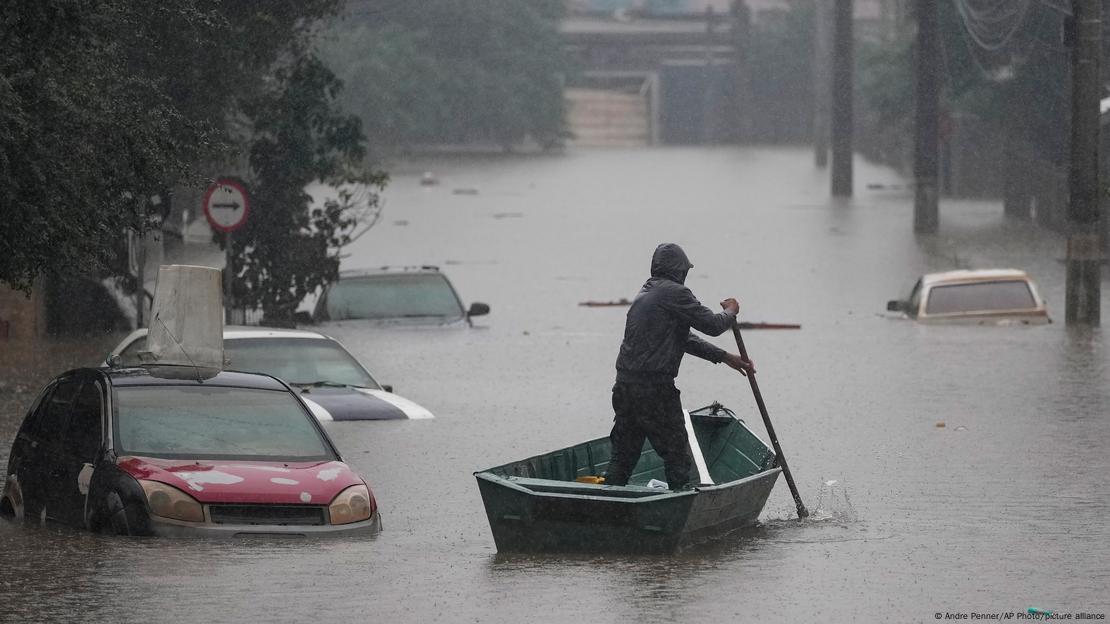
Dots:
pixel 401 223
pixel 601 304
pixel 508 215
pixel 465 191
pixel 429 179
pixel 940 424
pixel 875 186
pixel 452 262
pixel 744 325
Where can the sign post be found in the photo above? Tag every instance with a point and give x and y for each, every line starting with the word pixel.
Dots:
pixel 226 206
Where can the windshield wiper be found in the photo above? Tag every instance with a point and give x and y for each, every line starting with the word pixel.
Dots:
pixel 324 383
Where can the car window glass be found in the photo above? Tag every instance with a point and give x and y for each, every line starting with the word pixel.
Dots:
pixel 297 360
pixel 130 355
pixel 30 425
pixel 83 433
pixel 980 297
pixel 215 422
pixel 54 411
pixel 392 296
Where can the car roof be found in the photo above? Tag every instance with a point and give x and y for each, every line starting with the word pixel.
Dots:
pixel 390 270
pixel 248 331
pixel 974 275
pixel 188 376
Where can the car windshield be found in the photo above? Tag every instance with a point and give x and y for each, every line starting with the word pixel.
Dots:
pixel 980 297
pixel 392 296
pixel 212 422
pixel 297 360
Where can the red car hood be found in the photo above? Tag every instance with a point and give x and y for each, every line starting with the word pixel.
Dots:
pixel 257 482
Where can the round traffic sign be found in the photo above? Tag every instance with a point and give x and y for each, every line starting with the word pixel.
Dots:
pixel 226 205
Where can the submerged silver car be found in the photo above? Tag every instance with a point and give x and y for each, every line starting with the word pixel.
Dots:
pixel 333 384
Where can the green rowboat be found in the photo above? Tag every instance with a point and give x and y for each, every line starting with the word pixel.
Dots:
pixel 536 504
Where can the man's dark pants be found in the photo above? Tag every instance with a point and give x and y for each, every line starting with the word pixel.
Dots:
pixel 652 411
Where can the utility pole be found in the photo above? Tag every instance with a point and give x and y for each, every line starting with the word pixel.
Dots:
pixel 741 36
pixel 140 278
pixel 821 45
pixel 842 100
pixel 1083 287
pixel 927 99
pixel 709 93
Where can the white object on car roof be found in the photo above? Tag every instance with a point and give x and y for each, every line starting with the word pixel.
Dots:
pixel 187 317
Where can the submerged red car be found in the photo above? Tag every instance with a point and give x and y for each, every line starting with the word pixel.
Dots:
pixel 173 450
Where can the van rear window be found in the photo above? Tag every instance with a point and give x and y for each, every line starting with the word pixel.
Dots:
pixel 980 297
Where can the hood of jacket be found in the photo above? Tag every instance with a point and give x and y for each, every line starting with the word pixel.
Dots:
pixel 670 262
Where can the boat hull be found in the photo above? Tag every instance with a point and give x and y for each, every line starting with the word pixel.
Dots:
pixel 523 518
pixel 551 503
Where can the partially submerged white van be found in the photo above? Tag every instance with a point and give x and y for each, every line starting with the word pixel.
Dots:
pixel 983 296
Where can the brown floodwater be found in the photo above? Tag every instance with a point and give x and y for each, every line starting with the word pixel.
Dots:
pixel 1004 508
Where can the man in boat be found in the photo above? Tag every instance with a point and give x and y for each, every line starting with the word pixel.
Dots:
pixel 656 335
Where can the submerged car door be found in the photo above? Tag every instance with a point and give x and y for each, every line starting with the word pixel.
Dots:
pixel 37 471
pixel 73 460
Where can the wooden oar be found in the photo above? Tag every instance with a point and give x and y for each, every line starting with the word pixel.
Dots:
pixel 780 459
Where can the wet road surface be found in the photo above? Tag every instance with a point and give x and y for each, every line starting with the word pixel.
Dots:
pixel 1003 508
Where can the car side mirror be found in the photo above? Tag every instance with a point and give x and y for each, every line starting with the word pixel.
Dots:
pixel 895 305
pixel 478 309
pixel 302 318
pixel 387 387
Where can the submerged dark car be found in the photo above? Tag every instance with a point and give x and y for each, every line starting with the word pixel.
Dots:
pixel 410 295
pixel 171 450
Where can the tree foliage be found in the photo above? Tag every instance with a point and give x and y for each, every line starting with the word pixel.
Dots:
pixel 289 246
pixel 1020 89
pixel 450 71
pixel 781 66
pixel 104 103
pixel 84 137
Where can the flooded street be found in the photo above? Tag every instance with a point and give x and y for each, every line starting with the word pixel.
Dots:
pixel 1005 507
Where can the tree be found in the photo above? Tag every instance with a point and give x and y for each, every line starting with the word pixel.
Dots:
pixel 297 135
pixel 1019 89
pixel 104 103
pixel 445 71
pixel 781 66
pixel 83 138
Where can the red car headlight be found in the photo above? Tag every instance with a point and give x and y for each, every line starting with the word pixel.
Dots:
pixel 169 502
pixel 351 505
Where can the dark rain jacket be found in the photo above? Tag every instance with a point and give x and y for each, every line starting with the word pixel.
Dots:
pixel 657 329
